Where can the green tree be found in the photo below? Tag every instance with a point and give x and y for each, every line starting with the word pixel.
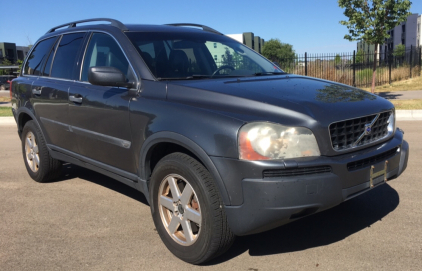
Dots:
pixel 19 62
pixel 360 55
pixel 279 52
pixel 400 50
pixel 228 58
pixel 337 59
pixel 370 20
pixel 6 62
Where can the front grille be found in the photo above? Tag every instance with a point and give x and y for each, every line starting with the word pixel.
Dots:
pixel 351 133
pixel 371 160
pixel 277 173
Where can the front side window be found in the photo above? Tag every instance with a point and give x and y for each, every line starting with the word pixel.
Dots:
pixel 38 55
pixel 66 56
pixel 179 55
pixel 103 50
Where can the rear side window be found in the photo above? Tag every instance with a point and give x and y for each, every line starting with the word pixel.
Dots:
pixel 103 50
pixel 66 56
pixel 49 61
pixel 35 61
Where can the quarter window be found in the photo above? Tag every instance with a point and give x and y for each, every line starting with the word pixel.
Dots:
pixel 38 55
pixel 103 50
pixel 66 56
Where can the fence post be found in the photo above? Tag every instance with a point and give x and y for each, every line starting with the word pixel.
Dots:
pixel 306 64
pixel 420 60
pixel 411 60
pixel 390 59
pixel 354 68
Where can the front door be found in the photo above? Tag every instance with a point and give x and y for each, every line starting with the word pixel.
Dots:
pixel 99 114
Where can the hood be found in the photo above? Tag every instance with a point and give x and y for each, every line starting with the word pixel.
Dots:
pixel 282 99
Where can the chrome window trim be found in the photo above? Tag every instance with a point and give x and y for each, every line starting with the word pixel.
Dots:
pixel 376 118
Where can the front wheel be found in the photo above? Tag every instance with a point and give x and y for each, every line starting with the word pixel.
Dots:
pixel 187 209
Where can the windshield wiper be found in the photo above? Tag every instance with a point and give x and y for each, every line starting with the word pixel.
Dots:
pixel 268 73
pixel 190 77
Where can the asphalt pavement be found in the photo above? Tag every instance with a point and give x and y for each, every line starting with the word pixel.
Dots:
pixel 401 95
pixel 87 221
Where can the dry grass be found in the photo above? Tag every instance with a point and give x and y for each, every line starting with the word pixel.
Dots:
pixel 407 104
pixel 363 77
pixel 4 99
pixel 409 84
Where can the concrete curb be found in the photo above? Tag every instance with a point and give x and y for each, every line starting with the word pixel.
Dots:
pixel 400 115
pixel 5 121
pixel 408 114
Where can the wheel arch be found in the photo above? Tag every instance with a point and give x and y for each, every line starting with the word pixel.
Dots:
pixel 174 142
pixel 23 116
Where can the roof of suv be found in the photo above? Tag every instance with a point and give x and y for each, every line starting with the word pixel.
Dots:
pixel 180 27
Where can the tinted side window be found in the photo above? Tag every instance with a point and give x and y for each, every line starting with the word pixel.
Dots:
pixel 47 67
pixel 66 54
pixel 38 55
pixel 103 50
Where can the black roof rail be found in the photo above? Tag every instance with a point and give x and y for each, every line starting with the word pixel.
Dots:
pixel 204 27
pixel 113 22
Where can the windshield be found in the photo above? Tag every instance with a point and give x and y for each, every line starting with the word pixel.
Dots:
pixel 181 55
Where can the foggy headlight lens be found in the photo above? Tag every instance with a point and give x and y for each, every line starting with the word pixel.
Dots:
pixel 391 123
pixel 264 141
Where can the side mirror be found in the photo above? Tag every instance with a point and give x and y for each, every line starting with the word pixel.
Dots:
pixel 108 76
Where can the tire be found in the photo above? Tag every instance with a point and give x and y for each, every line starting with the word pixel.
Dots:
pixel 192 223
pixel 39 164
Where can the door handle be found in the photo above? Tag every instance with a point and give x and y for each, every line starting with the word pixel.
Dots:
pixel 75 99
pixel 36 91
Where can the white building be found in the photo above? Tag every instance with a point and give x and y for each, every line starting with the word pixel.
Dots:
pixel 408 33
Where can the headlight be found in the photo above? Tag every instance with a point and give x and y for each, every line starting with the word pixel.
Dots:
pixel 391 123
pixel 264 141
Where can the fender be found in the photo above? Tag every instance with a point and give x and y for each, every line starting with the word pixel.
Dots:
pixel 171 137
pixel 33 117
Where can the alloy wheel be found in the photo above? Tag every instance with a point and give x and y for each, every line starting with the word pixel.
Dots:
pixel 179 209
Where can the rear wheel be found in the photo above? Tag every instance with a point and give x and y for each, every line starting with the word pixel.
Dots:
pixel 39 164
pixel 187 209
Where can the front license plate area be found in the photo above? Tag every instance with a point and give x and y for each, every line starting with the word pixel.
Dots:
pixel 378 173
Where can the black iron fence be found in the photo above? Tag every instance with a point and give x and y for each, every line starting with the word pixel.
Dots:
pixel 356 69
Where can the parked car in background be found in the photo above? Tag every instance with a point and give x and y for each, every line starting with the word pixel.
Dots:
pixel 5 82
pixel 218 150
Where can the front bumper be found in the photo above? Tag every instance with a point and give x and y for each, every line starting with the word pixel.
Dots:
pixel 260 203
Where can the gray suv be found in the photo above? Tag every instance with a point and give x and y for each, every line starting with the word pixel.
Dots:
pixel 219 148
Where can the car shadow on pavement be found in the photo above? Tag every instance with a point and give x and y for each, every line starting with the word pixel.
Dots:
pixel 70 171
pixel 321 229
pixel 389 95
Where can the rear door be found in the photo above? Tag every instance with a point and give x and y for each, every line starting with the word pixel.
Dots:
pixel 100 114
pixel 51 90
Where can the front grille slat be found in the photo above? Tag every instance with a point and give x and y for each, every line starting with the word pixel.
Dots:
pixel 278 173
pixel 371 160
pixel 345 133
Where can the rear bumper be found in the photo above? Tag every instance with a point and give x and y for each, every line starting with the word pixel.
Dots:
pixel 270 202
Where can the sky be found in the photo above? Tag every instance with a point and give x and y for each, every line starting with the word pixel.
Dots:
pixel 309 25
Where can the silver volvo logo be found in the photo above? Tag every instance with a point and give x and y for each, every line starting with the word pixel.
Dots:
pixel 368 129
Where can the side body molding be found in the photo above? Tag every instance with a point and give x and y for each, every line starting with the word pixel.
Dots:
pixel 171 137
